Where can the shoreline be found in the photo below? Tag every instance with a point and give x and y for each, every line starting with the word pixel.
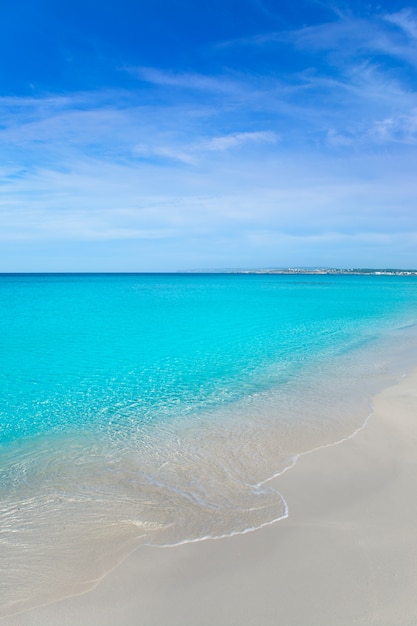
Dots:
pixel 345 554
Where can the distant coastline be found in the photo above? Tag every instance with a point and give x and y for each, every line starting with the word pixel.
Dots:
pixel 306 270
pixel 321 271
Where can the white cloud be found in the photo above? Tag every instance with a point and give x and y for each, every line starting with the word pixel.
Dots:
pixel 406 20
pixel 227 160
pixel 335 138
pixel 191 154
pixel 225 142
pixel 166 152
pixel 400 128
pixel 184 80
pixel 98 200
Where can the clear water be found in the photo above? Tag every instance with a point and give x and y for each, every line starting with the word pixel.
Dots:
pixel 154 408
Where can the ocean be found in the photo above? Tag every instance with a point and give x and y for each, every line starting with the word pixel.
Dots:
pixel 153 409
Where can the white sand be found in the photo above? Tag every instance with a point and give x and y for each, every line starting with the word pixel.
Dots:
pixel 347 554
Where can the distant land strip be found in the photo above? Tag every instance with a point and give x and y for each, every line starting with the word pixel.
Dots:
pixel 305 270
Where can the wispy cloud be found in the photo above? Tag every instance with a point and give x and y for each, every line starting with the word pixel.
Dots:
pixel 406 20
pixel 226 142
pixel 400 128
pixel 186 80
pixel 192 153
pixel 255 157
pixel 345 35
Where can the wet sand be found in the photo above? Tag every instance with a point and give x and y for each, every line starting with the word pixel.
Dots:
pixel 346 554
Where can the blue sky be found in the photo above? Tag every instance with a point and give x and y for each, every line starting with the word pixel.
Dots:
pixel 160 135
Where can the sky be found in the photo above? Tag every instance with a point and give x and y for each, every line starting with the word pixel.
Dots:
pixel 167 135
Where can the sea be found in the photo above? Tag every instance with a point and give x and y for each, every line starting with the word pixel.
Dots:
pixel 154 409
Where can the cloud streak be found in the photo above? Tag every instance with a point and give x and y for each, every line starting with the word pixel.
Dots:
pixel 247 155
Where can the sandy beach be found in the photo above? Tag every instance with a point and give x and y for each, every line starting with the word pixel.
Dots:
pixel 346 554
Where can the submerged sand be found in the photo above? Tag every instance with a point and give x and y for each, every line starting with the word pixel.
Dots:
pixel 346 554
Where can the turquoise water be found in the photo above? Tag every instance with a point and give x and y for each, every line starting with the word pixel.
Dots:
pixel 103 351
pixel 154 408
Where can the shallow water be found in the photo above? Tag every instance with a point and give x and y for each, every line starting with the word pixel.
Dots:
pixel 154 408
